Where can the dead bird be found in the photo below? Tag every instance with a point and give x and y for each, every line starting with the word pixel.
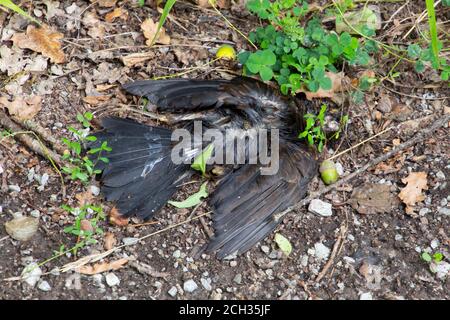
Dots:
pixel 141 175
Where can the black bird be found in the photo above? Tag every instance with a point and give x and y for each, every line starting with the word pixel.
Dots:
pixel 141 177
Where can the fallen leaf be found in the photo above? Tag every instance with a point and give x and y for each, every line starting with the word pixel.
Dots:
pixel 391 165
pixel 412 193
pixel 192 200
pixel 110 241
pixel 283 243
pixel 368 16
pixel 104 87
pixel 105 3
pixel 373 198
pixel 96 100
pixel 117 219
pixel 135 58
pixel 84 198
pixel 86 225
pixel 149 28
pixel 336 86
pixel 42 40
pixel 23 108
pixel 116 13
pixel 102 267
pixel 222 4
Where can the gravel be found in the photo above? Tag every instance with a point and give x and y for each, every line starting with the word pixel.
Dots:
pixel 206 283
pixel 190 286
pixel 321 251
pixel 112 280
pixel 173 291
pixel 13 188
pixel 33 275
pixel 44 286
pixel 366 296
pixel 129 241
pixel 320 207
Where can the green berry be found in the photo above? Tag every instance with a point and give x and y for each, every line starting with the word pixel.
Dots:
pixel 328 172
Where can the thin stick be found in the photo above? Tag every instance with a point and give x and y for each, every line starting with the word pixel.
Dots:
pixel 418 136
pixel 360 143
pixel 419 20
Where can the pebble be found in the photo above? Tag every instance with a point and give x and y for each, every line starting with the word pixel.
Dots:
pixel 321 251
pixel 238 278
pixel 265 249
pixel 173 291
pixel 190 286
pixel 320 207
pixel 423 211
pixel 22 228
pixel 176 254
pixel 304 260
pixel 95 190
pixel 44 180
pixel 112 280
pixel 441 269
pixel 440 175
pixel 233 263
pixel 33 274
pixel 398 237
pixel 434 243
pixel 365 296
pixel 35 213
pixel 444 211
pixel 339 169
pixel 129 241
pixel 98 280
pixel 444 202
pixel 14 188
pixel 44 286
pixel 206 283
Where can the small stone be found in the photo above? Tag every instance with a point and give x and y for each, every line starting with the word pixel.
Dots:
pixel 233 263
pixel 13 188
pixel 44 286
pixel 365 296
pixel 351 237
pixel 320 207
pixel 444 202
pixel 173 291
pixel 44 180
pixel 238 278
pixel 265 249
pixel 321 251
pixel 304 260
pixel 98 280
pixel 190 286
pixel 206 283
pixel 112 280
pixel 398 237
pixel 32 273
pixel 22 228
pixel 35 213
pixel 339 169
pixel 129 241
pixel 440 175
pixel 423 211
pixel 95 190
pixel 444 211
pixel 434 243
pixel 176 254
pixel 441 269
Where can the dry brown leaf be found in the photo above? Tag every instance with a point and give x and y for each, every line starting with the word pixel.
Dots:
pixel 102 267
pixel 84 198
pixel 116 13
pixel 22 108
pixel 149 28
pixel 110 241
pixel 222 4
pixel 373 198
pixel 104 87
pixel 336 86
pixel 42 40
pixel 412 193
pixel 86 225
pixel 96 100
pixel 105 3
pixel 135 58
pixel 117 219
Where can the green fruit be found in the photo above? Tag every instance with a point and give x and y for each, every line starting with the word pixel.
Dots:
pixel 328 172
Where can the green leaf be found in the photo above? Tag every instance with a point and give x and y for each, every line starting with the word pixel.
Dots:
pixel 283 243
pixel 437 257
pixel 426 257
pixel 167 7
pixel 199 163
pixel 265 73
pixel 414 51
pixel 192 200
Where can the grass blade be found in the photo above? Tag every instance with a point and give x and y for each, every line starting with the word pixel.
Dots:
pixel 12 6
pixel 433 30
pixel 167 7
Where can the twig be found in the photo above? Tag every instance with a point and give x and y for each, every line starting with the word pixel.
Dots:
pixel 419 20
pixel 147 269
pixel 336 247
pixel 4 238
pixel 418 136
pixel 42 132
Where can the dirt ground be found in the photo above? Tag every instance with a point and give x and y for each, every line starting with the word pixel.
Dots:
pixel 379 252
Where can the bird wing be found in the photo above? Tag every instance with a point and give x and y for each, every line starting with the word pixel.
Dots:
pixel 181 95
pixel 245 202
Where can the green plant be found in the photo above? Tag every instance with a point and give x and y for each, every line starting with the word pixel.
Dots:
pixel 12 6
pixel 314 129
pixel 296 55
pixel 82 167
pixel 199 163
pixel 436 257
pixel 85 226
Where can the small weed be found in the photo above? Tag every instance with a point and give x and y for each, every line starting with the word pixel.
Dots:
pixel 436 257
pixel 85 226
pixel 83 167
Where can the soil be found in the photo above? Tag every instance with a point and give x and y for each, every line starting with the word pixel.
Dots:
pixel 380 256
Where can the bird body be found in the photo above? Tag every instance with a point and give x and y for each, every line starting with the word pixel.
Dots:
pixel 141 175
